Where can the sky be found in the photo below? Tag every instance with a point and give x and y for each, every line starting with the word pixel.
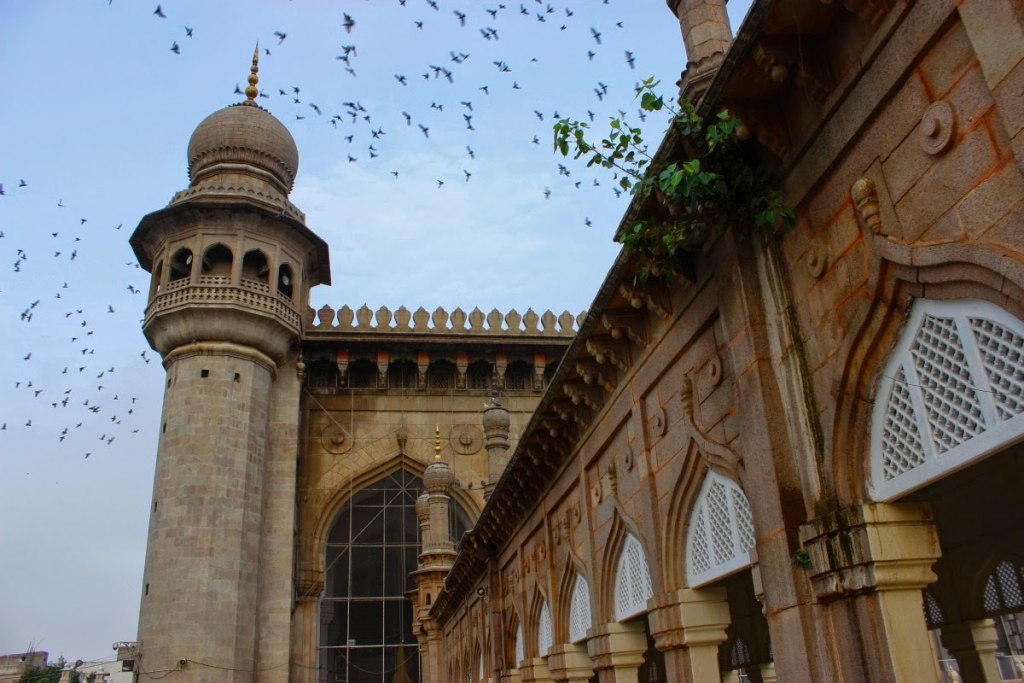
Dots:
pixel 100 98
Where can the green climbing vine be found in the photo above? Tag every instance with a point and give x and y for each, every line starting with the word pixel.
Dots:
pixel 718 184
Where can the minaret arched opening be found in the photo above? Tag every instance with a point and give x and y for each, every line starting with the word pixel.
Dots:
pixel 217 261
pixel 366 621
pixel 286 282
pixel 256 267
pixel 158 274
pixel 181 265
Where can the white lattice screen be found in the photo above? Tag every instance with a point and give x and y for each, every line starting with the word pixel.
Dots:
pixel 932 611
pixel 580 619
pixel 951 393
pixel 520 646
pixel 721 531
pixel 1004 590
pixel 633 581
pixel 544 634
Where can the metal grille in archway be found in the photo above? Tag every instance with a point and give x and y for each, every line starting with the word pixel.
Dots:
pixel 365 619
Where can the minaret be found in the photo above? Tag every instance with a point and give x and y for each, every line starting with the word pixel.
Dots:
pixel 496 426
pixel 232 263
pixel 706 37
pixel 435 560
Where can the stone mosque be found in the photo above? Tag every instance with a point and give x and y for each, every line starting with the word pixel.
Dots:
pixel 799 459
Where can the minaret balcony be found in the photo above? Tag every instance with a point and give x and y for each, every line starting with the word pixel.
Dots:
pixel 213 308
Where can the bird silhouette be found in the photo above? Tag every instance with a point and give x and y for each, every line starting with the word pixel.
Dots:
pixel 159 12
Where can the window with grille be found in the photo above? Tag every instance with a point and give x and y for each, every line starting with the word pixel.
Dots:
pixel 323 377
pixel 932 611
pixel 362 374
pixel 951 393
pixel 632 581
pixel 1004 590
pixel 580 620
pixel 479 376
pixel 520 648
pixel 365 619
pixel 441 375
pixel 403 374
pixel 721 532
pixel 544 632
pixel 519 377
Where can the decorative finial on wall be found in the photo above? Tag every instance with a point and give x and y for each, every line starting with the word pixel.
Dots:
pixel 437 442
pixel 252 91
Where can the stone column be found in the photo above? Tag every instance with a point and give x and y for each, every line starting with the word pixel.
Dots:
pixel 618 650
pixel 496 427
pixel 688 626
pixel 570 662
pixel 535 669
pixel 878 557
pixel 974 645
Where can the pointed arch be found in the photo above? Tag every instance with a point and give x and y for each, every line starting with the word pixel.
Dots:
pixel 581 619
pixel 633 586
pixel 573 616
pixel 896 274
pixel 950 394
pixel 1004 589
pixel 720 532
pixel 217 260
pixel 519 645
pixel 543 625
pixel 674 533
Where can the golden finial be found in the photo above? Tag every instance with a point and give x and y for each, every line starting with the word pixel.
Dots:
pixel 437 442
pixel 252 91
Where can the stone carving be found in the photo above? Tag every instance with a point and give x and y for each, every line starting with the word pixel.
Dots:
pixel 817 259
pixel 423 322
pixel 402 317
pixel 714 370
pixel 335 439
pixel 657 422
pixel 937 128
pixel 716 455
pixel 466 439
pixel 865 198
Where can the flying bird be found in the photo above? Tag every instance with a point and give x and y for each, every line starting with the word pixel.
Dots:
pixel 159 12
pixel 175 49
pixel 348 22
pixel 280 36
pixel 597 36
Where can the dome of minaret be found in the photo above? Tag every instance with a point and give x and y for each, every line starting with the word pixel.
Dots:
pixel 243 140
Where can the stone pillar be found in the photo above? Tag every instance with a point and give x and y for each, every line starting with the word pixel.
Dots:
pixel 974 645
pixel 570 662
pixel 706 37
pixel 535 669
pixel 618 650
pixel 496 427
pixel 878 557
pixel 688 626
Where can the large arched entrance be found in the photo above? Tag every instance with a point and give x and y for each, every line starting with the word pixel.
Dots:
pixel 366 621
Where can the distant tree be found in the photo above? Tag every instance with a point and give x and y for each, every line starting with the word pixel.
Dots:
pixel 49 673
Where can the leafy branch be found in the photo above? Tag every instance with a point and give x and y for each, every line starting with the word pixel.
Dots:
pixel 718 183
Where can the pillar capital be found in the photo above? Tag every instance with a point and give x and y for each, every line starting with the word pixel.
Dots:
pixel 871 547
pixel 618 646
pixel 570 662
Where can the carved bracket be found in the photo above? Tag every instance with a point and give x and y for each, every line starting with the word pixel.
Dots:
pixel 716 455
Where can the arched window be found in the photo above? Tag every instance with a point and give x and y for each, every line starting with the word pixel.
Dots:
pixel 479 376
pixel 520 646
pixel 285 281
pixel 180 265
pixel 519 376
pixel 721 532
pixel 544 631
pixel 158 274
pixel 1004 590
pixel 366 622
pixel 580 619
pixel 217 261
pixel 402 374
pixel 362 374
pixel 255 267
pixel 632 580
pixel 441 375
pixel 951 393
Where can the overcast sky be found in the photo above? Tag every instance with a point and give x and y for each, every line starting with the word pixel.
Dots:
pixel 95 117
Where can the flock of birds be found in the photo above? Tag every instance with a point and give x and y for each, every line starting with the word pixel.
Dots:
pixel 455 108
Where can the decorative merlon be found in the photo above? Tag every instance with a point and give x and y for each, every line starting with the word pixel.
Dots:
pixel 441 322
